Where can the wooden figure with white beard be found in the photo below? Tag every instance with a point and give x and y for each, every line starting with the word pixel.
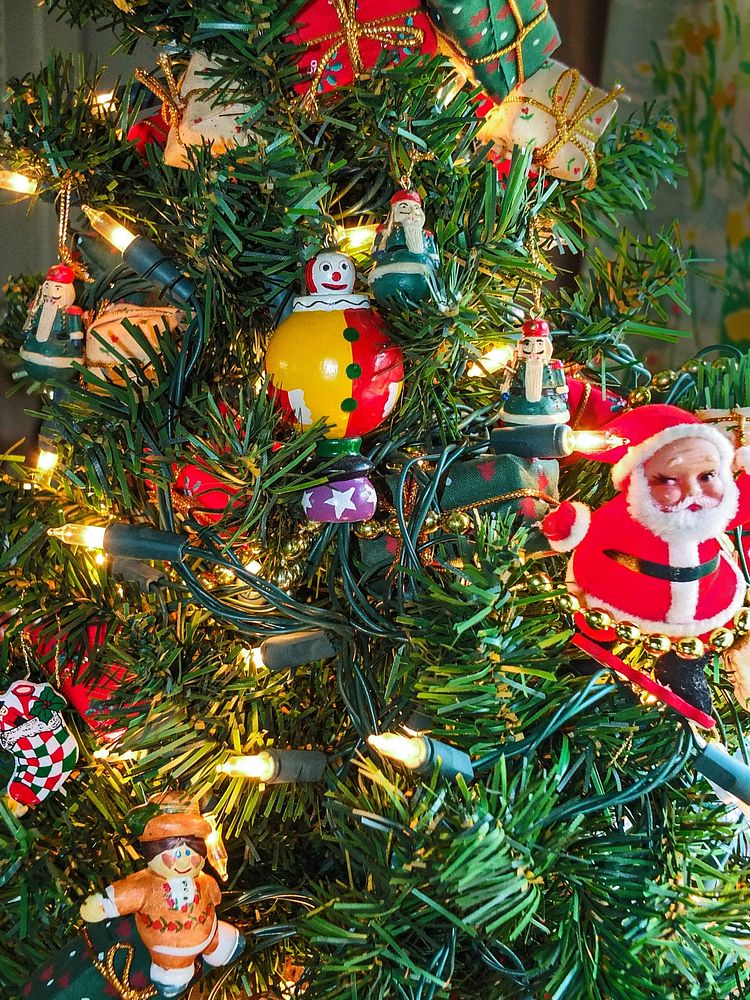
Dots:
pixel 54 329
pixel 405 254
pixel 535 390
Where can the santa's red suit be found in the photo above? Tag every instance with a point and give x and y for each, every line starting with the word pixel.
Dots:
pixel 667 574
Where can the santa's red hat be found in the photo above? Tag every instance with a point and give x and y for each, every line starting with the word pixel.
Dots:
pixel 62 274
pixel 406 196
pixel 649 428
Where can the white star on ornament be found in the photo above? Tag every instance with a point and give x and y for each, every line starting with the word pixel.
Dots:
pixel 341 500
pixel 306 501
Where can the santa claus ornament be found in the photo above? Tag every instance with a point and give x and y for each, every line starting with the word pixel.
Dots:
pixel 33 731
pixel 534 390
pixel 405 254
pixel 174 901
pixel 650 564
pixel 332 360
pixel 53 329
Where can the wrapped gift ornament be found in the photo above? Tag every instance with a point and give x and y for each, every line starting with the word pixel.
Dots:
pixel 111 341
pixel 494 43
pixel 343 39
pixel 193 117
pixel 90 692
pixel 558 113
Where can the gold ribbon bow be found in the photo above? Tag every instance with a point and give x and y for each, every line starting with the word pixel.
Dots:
pixel 172 104
pixel 108 971
pixel 389 30
pixel 569 127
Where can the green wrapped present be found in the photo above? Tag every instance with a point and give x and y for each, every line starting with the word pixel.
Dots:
pixel 105 960
pixel 490 484
pixel 495 43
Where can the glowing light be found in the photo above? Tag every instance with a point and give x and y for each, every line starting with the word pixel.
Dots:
pixel 118 757
pixel 411 751
pixel 217 852
pixel 106 226
pixel 253 567
pixel 46 461
pixel 356 238
pixel 106 100
pixel 596 440
pixel 90 536
pixel 260 766
pixel 494 359
pixel 20 183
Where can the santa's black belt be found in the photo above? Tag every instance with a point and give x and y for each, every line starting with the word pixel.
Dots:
pixel 675 574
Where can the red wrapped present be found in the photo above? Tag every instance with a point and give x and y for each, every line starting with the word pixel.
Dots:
pixel 342 39
pixel 87 691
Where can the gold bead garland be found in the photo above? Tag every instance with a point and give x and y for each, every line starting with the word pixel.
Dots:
pixel 689 647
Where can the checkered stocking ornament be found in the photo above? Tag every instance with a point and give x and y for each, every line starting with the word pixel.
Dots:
pixel 32 729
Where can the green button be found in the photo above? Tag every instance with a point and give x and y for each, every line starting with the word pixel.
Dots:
pixel 349 405
pixel 351 334
pixel 353 371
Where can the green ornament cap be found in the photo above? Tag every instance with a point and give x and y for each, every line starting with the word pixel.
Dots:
pixel 333 447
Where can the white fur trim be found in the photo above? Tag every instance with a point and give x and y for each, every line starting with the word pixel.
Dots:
pixel 675 631
pixel 742 459
pixel 684 596
pixel 637 454
pixel 578 531
pixel 108 903
pixel 228 938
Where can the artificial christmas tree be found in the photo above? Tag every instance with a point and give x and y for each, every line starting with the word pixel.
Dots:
pixel 426 789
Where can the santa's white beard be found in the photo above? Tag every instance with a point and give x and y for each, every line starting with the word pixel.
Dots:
pixel 682 525
pixel 413 235
pixel 46 319
pixel 533 378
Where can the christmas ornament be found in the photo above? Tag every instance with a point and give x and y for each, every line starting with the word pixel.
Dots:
pixel 200 493
pixel 193 117
pixel 534 391
pixel 174 902
pixel 494 43
pixel 152 130
pixel 405 254
pixel 90 693
pixel 348 373
pixel 33 730
pixel 54 329
pixel 111 341
pixel 342 39
pixel 651 557
pixel 560 115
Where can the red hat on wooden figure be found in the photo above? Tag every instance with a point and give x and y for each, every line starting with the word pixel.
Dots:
pixel 62 274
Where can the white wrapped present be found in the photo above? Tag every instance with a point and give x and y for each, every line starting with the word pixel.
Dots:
pixel 110 344
pixel 560 115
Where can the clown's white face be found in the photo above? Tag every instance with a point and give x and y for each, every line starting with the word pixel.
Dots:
pixel 331 273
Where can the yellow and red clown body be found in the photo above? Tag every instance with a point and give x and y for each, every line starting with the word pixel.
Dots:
pixel 332 360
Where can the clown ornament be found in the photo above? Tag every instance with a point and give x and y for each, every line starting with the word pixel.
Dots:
pixel 53 329
pixel 655 558
pixel 174 902
pixel 405 254
pixel 332 360
pixel 535 390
